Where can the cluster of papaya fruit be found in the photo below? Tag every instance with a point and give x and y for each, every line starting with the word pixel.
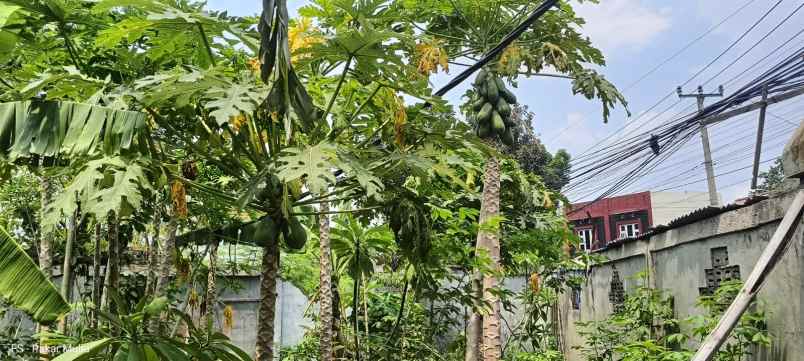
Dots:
pixel 409 220
pixel 269 228
pixel 491 108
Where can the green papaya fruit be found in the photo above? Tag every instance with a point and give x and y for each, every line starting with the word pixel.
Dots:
pixel 265 232
pixel 498 123
pixel 508 96
pixel 492 92
pixel 296 236
pixel 478 104
pixel 485 112
pixel 503 108
pixel 245 233
pixel 481 77
pixel 500 83
pixel 484 129
pixel 507 137
pixel 509 121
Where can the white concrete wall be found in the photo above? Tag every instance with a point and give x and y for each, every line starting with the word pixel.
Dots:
pixel 679 258
pixel 667 206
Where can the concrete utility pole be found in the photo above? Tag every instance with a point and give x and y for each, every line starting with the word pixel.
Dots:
pixel 710 170
pixel 760 131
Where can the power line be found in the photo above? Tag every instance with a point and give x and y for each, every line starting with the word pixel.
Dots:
pixel 689 45
pixel 494 52
pixel 734 43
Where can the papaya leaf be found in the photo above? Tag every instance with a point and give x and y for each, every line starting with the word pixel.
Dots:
pixel 124 195
pixel 231 101
pixel 315 164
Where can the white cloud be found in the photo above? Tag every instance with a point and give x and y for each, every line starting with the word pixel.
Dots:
pixel 617 24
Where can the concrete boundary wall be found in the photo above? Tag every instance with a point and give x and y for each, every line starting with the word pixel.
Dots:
pixel 685 260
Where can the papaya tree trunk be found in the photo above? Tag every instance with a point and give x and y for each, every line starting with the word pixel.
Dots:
pixel 168 248
pixel 265 325
pixel 152 255
pixel 325 286
pixel 489 241
pixel 45 247
pixel 113 263
pixel 67 268
pixel 474 325
pixel 211 298
pixel 46 236
pixel 97 285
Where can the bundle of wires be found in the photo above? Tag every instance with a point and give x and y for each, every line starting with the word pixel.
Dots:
pixel 642 153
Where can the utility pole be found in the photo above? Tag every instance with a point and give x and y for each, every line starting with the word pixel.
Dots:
pixel 760 131
pixel 710 170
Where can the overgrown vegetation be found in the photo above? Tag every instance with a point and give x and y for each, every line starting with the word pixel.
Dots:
pixel 150 147
pixel 646 328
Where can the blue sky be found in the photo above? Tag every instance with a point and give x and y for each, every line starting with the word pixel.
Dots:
pixel 635 36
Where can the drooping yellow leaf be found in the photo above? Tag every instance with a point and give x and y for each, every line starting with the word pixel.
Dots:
pixel 179 197
pixel 228 319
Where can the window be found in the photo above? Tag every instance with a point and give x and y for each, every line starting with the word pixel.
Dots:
pixel 586 236
pixel 629 230
pixel 576 298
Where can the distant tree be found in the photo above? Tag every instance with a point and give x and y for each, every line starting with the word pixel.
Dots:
pixel 532 155
pixel 773 178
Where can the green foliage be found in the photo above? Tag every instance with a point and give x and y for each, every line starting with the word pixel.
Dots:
pixel 531 154
pixel 101 186
pixel 51 129
pixel 470 28
pixel 773 178
pixel 24 286
pixel 314 164
pixel 133 337
pixel 135 90
pixel 646 329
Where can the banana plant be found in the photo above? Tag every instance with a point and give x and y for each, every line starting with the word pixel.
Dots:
pixel 24 286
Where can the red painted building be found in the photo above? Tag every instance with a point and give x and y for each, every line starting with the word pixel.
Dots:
pixel 610 219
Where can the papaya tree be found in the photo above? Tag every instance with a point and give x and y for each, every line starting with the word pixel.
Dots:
pixel 467 30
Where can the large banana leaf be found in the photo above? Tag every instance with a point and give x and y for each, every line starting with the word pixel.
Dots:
pixel 85 351
pixel 24 286
pixel 50 128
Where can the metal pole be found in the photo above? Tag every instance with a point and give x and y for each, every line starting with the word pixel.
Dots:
pixel 760 134
pixel 708 165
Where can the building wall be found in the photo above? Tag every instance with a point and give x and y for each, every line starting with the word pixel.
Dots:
pixel 668 206
pixel 607 208
pixel 677 261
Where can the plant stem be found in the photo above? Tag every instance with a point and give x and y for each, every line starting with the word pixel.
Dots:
pixel 337 131
pixel 356 300
pixel 337 89
pixel 401 307
pixel 337 212
pixel 4 82
pixel 206 44
pixel 69 45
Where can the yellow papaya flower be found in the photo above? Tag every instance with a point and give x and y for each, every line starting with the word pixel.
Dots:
pixel 302 35
pixel 429 56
